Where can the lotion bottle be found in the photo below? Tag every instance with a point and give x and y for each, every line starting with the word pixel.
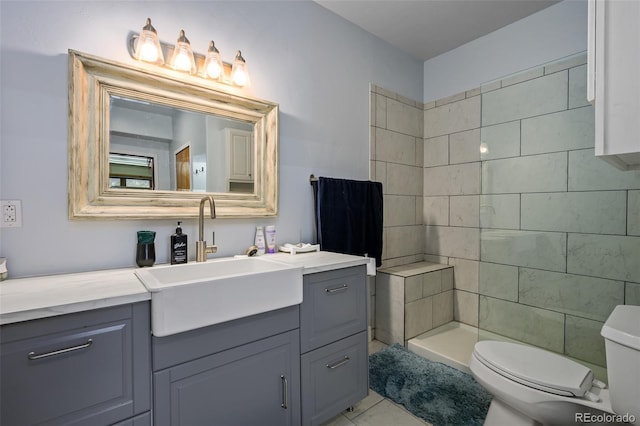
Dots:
pixel 178 247
pixel 271 238
pixel 259 241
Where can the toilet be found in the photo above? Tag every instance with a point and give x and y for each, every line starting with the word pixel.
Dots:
pixel 532 386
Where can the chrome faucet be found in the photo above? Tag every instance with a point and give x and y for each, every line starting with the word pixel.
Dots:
pixel 202 249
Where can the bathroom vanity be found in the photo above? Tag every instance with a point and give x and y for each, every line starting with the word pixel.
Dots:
pixel 78 348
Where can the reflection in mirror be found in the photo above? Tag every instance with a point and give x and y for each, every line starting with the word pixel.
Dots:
pixel 145 143
pixel 191 151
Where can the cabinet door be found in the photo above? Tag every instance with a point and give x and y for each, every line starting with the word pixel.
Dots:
pixel 334 377
pixel 254 384
pixel 614 65
pixel 77 369
pixel 334 306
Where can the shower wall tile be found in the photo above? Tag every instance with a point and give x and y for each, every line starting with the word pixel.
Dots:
pixel 380 169
pixel 419 212
pixel 447 279
pixel 581 296
pixel 498 281
pixel 404 180
pixel 464 211
pixel 534 97
pixel 568 62
pixel 389 308
pixel 452 241
pixel 590 173
pixel 403 118
pixel 605 256
pixel 633 213
pixel 419 155
pixel 522 76
pixel 500 211
pixel 532 249
pixel 465 274
pixel 500 140
pixel 560 131
pixel 436 151
pixel 395 147
pixel 595 212
pixel 399 210
pixel 442 308
pixel 381 111
pixel 583 340
pixel 418 317
pixel 412 288
pixel 578 87
pixel 464 147
pixel 453 117
pixel 459 179
pixel 528 324
pixel 403 240
pixel 465 307
pixel 632 294
pixel 535 173
pixel 436 211
pixel 431 283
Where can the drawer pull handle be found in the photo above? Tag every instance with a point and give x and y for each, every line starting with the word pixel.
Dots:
pixel 285 392
pixel 339 363
pixel 32 355
pixel 336 289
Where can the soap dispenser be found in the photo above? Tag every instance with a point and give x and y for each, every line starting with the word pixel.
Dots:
pixel 178 246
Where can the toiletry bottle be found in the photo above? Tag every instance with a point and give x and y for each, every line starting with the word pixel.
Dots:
pixel 271 238
pixel 178 246
pixel 259 241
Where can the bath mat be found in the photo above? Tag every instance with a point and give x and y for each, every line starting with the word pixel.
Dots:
pixel 430 390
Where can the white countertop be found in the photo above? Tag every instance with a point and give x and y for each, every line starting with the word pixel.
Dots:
pixel 321 261
pixel 24 299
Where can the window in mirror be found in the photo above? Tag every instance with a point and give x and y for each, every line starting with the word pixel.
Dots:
pixel 131 171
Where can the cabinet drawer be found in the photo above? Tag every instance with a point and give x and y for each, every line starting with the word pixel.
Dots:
pixel 334 377
pixel 76 369
pixel 334 306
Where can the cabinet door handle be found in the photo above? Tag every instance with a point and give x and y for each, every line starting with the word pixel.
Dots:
pixel 285 392
pixel 33 356
pixel 336 289
pixel 337 364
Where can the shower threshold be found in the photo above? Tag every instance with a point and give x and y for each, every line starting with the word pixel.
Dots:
pixel 450 344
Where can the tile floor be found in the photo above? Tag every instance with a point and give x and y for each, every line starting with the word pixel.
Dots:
pixel 375 410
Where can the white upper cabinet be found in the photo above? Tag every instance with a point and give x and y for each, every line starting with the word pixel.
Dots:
pixel 614 80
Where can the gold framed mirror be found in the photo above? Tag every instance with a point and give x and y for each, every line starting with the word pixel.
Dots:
pixel 134 152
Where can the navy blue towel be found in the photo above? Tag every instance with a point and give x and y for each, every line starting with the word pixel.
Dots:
pixel 349 217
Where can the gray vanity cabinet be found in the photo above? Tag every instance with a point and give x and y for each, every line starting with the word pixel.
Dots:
pixel 333 341
pixel 86 368
pixel 243 372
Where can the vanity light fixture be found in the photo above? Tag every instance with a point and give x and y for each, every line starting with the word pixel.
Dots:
pixel 182 59
pixel 239 74
pixel 146 47
pixel 213 67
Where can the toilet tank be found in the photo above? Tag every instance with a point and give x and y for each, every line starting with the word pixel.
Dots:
pixel 621 332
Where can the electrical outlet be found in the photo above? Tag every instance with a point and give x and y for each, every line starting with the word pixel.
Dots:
pixel 11 213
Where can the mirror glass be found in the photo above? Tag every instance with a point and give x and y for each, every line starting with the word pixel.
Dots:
pixel 158 147
pixel 148 142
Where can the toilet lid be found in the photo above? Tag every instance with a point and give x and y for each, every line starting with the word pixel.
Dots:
pixel 534 367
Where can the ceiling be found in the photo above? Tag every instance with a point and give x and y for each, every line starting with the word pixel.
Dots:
pixel 428 28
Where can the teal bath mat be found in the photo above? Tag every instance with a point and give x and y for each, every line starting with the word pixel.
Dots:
pixel 430 390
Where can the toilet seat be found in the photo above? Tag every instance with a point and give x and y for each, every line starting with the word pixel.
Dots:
pixel 535 368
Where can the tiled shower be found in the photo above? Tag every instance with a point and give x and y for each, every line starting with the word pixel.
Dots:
pixel 544 237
